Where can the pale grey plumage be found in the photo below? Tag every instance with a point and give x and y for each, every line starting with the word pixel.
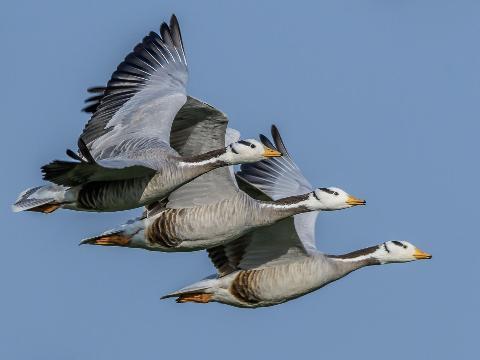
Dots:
pixel 211 211
pixel 146 137
pixel 279 262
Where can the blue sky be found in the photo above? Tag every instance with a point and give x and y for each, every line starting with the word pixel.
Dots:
pixel 377 97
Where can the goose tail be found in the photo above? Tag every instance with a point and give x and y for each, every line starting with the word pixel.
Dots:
pixel 45 199
pixel 199 292
pixel 109 238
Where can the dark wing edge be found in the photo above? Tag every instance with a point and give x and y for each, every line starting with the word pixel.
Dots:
pixel 93 101
pixel 132 75
pixel 85 169
pixel 226 258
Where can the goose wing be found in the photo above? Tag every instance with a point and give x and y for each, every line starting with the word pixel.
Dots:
pixel 278 178
pixel 214 186
pixel 137 107
pixel 132 115
pixel 198 128
pixel 195 122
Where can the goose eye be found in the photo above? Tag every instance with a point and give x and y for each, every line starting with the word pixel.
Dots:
pixel 252 146
pixel 335 193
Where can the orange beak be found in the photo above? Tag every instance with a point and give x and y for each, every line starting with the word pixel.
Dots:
pixel 267 152
pixel 352 200
pixel 420 255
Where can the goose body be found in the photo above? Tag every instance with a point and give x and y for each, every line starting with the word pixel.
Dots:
pixel 280 262
pixel 211 211
pixel 282 280
pixel 136 148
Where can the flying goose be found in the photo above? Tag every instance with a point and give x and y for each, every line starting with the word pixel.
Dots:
pixel 129 152
pixel 211 211
pixel 280 262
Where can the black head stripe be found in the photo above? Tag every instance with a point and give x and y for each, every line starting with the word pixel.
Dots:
pixel 233 150
pixel 244 142
pixel 315 195
pixel 327 190
pixel 386 248
pixel 398 243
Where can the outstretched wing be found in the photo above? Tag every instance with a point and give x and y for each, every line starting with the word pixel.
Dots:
pixel 141 99
pixel 128 133
pixel 279 178
pixel 198 127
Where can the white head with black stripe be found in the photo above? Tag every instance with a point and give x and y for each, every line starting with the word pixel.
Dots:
pixel 398 251
pixel 331 198
pixel 248 151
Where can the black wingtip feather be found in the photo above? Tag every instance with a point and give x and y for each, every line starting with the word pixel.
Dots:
pixel 166 35
pixel 95 99
pixel 175 32
pixel 57 171
pixel 73 155
pixel 266 141
pixel 278 140
pixel 96 89
pixel 84 151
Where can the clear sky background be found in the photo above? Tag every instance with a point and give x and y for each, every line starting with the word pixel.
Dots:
pixel 378 97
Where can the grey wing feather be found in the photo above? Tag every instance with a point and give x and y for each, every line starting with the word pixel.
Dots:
pixel 263 247
pixel 142 97
pixel 303 224
pixel 209 188
pixel 199 128
pixel 278 177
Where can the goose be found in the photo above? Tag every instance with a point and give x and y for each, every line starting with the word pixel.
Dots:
pixel 129 150
pixel 280 262
pixel 211 211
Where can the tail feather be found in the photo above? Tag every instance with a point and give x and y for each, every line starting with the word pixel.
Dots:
pixel 198 296
pixel 201 292
pixel 40 199
pixel 110 238
pixel 202 298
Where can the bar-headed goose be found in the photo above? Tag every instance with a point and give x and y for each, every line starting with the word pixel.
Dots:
pixel 211 210
pixel 280 262
pixel 128 152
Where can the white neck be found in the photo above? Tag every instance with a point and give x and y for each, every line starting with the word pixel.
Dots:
pixel 212 158
pixel 211 161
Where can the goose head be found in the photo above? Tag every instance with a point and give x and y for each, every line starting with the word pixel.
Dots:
pixel 248 151
pixel 332 198
pixel 398 251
